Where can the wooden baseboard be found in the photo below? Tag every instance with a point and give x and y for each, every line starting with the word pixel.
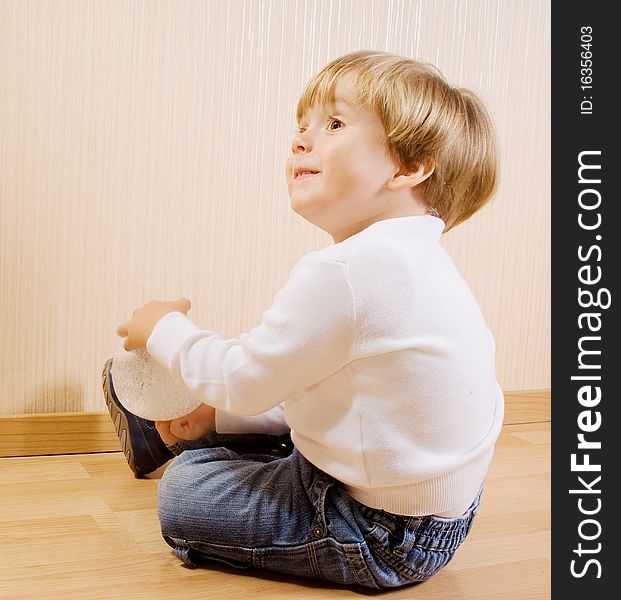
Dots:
pixel 57 433
pixel 82 433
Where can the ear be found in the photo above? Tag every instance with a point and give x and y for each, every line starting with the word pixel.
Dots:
pixel 401 181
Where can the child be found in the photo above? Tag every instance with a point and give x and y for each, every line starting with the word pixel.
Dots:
pixel 374 355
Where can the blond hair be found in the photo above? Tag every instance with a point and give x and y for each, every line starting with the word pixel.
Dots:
pixel 426 121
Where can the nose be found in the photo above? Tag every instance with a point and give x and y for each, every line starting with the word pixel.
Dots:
pixel 300 143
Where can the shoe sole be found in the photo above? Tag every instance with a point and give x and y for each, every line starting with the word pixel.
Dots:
pixel 121 426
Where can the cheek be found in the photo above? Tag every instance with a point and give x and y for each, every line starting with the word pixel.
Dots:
pixel 289 172
pixel 341 167
pixel 355 169
pixel 288 167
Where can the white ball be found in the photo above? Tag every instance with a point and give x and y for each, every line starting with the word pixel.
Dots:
pixel 146 389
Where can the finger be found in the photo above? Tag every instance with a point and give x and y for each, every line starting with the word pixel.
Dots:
pixel 183 428
pixel 184 304
pixel 176 428
pixel 163 428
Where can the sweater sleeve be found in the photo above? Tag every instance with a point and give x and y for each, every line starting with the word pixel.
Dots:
pixel 271 422
pixel 308 334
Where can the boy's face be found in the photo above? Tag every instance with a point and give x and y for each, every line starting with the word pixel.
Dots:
pixel 344 146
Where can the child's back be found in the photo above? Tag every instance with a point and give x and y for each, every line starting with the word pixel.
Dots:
pixel 410 422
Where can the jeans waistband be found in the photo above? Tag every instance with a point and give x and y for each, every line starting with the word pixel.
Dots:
pixel 438 533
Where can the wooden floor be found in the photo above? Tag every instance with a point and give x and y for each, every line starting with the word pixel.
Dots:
pixel 80 526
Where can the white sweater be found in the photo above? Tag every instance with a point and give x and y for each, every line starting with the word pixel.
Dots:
pixel 378 351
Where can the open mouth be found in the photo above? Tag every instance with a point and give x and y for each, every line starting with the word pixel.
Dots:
pixel 303 174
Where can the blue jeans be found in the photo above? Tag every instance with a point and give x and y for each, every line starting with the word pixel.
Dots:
pixel 283 514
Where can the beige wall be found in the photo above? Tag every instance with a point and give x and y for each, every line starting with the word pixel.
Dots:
pixel 142 149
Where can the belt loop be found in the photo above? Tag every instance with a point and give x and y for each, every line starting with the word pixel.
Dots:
pixel 409 538
pixel 319 488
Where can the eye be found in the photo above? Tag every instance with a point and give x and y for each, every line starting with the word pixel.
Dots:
pixel 333 121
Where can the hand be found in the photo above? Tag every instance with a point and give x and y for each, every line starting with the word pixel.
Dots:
pixel 199 422
pixel 138 330
pixel 163 428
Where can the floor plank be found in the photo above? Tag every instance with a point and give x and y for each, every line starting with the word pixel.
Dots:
pixel 80 526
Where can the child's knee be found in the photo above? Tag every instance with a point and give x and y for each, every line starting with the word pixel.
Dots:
pixel 173 493
pixel 186 489
pixel 167 496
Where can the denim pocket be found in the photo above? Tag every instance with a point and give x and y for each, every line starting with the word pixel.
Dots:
pixel 396 557
pixel 406 550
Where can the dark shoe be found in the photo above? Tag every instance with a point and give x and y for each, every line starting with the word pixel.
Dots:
pixel 142 446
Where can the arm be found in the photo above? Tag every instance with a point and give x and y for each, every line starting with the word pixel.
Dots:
pixel 308 334
pixel 205 419
pixel 271 422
